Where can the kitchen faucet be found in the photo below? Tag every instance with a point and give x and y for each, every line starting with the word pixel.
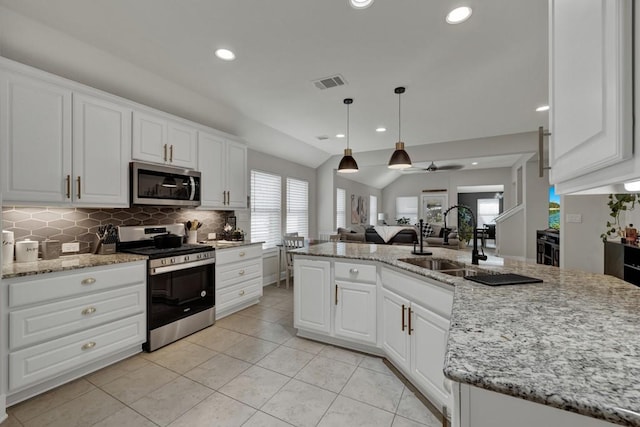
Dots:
pixel 475 256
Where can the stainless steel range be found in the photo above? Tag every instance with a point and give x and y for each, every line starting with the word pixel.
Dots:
pixel 180 283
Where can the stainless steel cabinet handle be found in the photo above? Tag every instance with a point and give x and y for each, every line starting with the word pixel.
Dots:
pixel 88 310
pixel 165 152
pixel 171 154
pixel 88 345
pixel 403 324
pixel 88 281
pixel 241 293
pixel 79 187
pixel 241 272
pixel 68 186
pixel 353 271
pixel 241 254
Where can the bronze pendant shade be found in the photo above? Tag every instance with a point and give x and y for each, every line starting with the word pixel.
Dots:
pixel 348 163
pixel 399 159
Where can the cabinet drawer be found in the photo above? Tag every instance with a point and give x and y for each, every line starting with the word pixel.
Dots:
pixel 225 256
pixel 60 285
pixel 229 275
pixel 44 322
pixel 437 298
pixel 47 360
pixel 355 272
pixel 236 294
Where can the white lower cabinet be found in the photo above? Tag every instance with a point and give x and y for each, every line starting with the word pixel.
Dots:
pixel 238 278
pixel 484 408
pixel 395 336
pixel 355 311
pixel 64 325
pixel 311 295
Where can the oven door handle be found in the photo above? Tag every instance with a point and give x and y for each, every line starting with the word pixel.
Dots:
pixel 170 268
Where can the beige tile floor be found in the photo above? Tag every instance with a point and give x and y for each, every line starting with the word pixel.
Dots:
pixel 249 369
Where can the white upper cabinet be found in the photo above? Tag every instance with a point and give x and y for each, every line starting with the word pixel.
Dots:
pixel 591 115
pixel 101 147
pixel 160 140
pixel 223 164
pixel 35 139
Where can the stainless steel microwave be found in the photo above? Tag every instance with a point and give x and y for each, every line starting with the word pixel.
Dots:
pixel 164 185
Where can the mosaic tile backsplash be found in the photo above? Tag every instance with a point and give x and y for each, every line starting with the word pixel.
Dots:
pixel 80 224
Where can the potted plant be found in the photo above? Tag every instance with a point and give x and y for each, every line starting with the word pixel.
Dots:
pixel 465 227
pixel 618 203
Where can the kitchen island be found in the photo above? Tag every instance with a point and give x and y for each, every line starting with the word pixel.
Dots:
pixel 569 343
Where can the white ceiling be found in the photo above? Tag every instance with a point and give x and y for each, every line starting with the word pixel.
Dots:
pixel 481 78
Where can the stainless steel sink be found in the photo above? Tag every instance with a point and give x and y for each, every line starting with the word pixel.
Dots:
pixel 434 263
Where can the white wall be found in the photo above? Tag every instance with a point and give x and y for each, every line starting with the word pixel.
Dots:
pixel 356 189
pixel 29 42
pixel 326 197
pixel 267 163
pixel 536 199
pixel 415 184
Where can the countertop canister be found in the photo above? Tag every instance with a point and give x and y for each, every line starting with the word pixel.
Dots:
pixel 27 251
pixel 8 241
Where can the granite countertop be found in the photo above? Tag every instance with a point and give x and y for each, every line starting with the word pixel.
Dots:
pixel 225 244
pixel 571 342
pixel 64 263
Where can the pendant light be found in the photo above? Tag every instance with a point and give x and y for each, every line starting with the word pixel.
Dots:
pixel 399 159
pixel 348 163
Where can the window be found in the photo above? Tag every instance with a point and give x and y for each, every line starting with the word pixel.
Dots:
pixel 488 210
pixel 341 208
pixel 407 207
pixel 266 196
pixel 373 210
pixel 298 207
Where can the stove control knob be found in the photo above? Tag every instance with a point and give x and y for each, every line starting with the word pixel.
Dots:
pixel 186 258
pixel 173 260
pixel 163 262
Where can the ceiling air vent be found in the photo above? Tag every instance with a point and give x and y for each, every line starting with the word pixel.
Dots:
pixel 329 82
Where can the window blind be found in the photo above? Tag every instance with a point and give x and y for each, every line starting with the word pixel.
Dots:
pixel 373 210
pixel 266 202
pixel 298 207
pixel 341 203
pixel 407 207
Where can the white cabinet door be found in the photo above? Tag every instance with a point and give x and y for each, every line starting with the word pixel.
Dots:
pixel 355 311
pixel 236 181
pixel 395 337
pixel 35 140
pixel 183 145
pixel 150 138
pixel 212 165
pixel 101 152
pixel 591 118
pixel 311 293
pixel 428 346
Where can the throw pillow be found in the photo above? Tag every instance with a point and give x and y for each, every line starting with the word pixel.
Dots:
pixel 427 230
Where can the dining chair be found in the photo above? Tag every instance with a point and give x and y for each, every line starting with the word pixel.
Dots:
pixel 334 238
pixel 289 243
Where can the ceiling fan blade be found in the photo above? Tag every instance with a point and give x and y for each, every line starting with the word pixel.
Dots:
pixel 450 167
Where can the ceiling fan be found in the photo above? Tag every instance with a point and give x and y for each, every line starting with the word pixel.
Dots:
pixel 432 168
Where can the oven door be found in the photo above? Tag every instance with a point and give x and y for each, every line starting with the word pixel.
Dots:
pixel 178 291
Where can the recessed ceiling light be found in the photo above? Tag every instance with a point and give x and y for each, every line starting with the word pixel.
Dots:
pixel 225 54
pixel 360 4
pixel 458 15
pixel 474 163
pixel 543 108
pixel 381 129
pixel 340 135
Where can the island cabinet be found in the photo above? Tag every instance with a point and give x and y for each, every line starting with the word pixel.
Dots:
pixel 238 278
pixel 60 326
pixel 415 322
pixel 59 142
pixel 591 94
pixel 483 408
pixel 223 164
pixel 160 139
pixel 355 302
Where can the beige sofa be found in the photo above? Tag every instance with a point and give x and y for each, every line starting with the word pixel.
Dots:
pixel 435 239
pixel 353 233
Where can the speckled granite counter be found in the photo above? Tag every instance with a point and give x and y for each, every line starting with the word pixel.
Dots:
pixel 67 262
pixel 572 342
pixel 226 244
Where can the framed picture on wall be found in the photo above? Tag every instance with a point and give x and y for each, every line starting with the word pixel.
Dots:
pixel 432 206
pixel 359 210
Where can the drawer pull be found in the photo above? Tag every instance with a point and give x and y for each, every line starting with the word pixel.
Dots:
pixel 241 254
pixel 353 271
pixel 410 328
pixel 403 324
pixel 241 272
pixel 88 281
pixel 88 310
pixel 241 293
pixel 88 346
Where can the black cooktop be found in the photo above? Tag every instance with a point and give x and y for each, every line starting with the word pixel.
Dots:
pixel 502 279
pixel 153 253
